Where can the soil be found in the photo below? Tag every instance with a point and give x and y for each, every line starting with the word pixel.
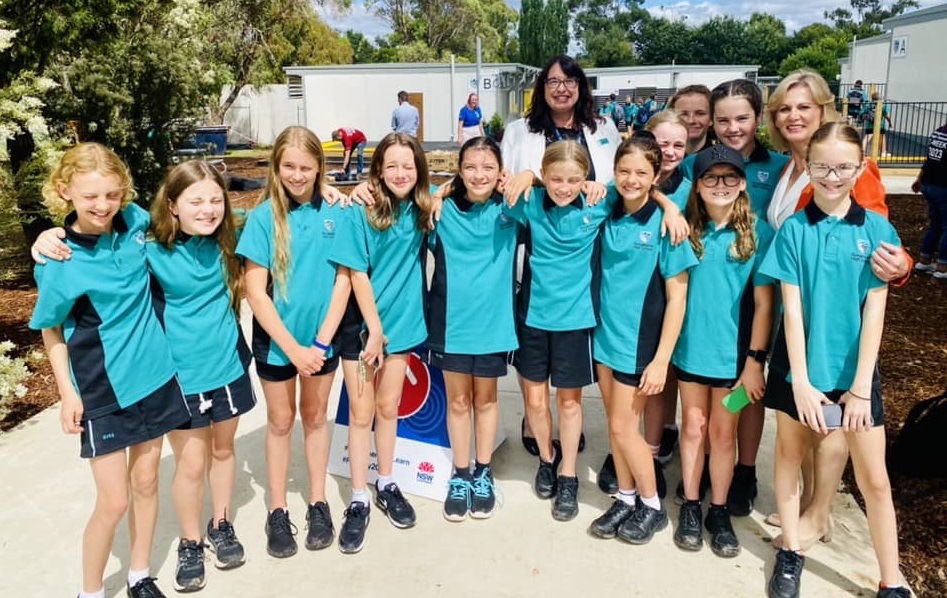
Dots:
pixel 913 347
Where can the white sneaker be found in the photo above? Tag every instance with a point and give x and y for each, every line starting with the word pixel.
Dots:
pixel 925 268
pixel 940 275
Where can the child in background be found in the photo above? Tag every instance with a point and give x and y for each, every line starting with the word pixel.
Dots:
pixel 471 329
pixel 724 339
pixel 834 308
pixel 298 300
pixel 109 355
pixel 643 297
pixel 381 247
pixel 557 311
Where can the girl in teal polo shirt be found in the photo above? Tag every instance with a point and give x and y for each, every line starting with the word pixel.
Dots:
pixel 298 300
pixel 195 270
pixel 109 355
pixel 381 246
pixel 557 312
pixel 724 338
pixel 834 308
pixel 643 296
pixel 471 329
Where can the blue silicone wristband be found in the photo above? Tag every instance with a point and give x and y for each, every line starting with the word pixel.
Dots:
pixel 318 345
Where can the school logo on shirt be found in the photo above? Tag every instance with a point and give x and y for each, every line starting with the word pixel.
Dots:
pixel 644 241
pixel 140 238
pixel 864 248
pixel 328 228
pixel 644 236
pixel 505 221
pixel 763 176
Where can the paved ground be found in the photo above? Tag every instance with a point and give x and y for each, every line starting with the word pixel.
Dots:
pixel 48 495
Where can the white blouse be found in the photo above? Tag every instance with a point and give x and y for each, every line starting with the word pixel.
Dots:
pixel 785 197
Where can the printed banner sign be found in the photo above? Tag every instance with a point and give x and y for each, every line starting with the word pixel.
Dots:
pixel 423 463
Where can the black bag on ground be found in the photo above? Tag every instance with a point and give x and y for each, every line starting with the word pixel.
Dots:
pixel 920 450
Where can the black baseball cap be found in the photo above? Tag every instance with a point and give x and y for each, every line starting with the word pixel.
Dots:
pixel 717 154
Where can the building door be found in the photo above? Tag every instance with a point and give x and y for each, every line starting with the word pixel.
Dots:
pixel 417 100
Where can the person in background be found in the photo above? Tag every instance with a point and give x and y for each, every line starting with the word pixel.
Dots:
pixel 470 121
pixel 692 103
pixel 352 140
pixel 405 118
pixel 631 111
pixel 868 115
pixel 932 182
pixel 855 98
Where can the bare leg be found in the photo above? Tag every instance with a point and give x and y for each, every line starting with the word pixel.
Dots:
pixel 486 417
pixel 313 402
pixel 695 399
pixel 280 418
pixel 723 435
pixel 539 416
pixel 187 489
pixel 459 399
pixel 387 399
pixel 361 415
pixel 110 473
pixel 223 468
pixel 628 406
pixel 791 438
pixel 143 461
pixel 569 401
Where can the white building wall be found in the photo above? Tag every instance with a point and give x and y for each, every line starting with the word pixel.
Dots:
pixel 259 114
pixel 869 61
pixel 667 76
pixel 916 74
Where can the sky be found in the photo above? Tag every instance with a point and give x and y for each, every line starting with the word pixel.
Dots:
pixel 795 13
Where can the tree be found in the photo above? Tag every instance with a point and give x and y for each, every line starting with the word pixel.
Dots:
pixel 363 51
pixel 766 42
pixel 821 56
pixel 721 40
pixel 663 41
pixel 250 41
pixel 543 31
pixel 608 30
pixel 865 17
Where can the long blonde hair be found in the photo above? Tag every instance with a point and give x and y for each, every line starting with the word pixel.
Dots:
pixel 307 142
pixel 81 159
pixel 567 151
pixel 165 225
pixel 386 209
pixel 742 220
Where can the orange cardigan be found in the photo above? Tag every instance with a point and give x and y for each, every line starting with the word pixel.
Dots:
pixel 869 193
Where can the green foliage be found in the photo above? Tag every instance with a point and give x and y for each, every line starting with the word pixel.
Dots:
pixel 821 56
pixel 543 31
pixel 865 17
pixel 13 372
pixel 363 51
pixel 663 41
pixel 721 40
pixel 608 30
pixel 766 42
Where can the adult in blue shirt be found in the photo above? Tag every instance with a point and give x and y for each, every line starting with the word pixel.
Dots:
pixel 470 121
pixel 405 118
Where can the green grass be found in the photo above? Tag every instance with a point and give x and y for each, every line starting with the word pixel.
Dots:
pixel 257 152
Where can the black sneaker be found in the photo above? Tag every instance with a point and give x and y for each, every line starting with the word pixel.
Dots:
pixel 321 531
pixel 545 483
pixel 280 542
pixel 743 491
pixel 898 592
pixel 688 535
pixel 723 540
pixel 643 524
pixel 668 442
pixel 483 501
pixel 352 533
pixel 457 503
pixel 223 542
pixel 145 588
pixel 566 505
pixel 607 478
pixel 659 479
pixel 189 573
pixel 528 443
pixel 605 526
pixel 787 575
pixel 393 504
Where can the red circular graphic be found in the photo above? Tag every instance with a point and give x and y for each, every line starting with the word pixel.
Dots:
pixel 416 389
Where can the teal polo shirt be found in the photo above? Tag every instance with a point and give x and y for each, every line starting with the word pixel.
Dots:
pixel 193 301
pixel 677 188
pixel 470 304
pixel 310 278
pixel 636 262
pixel 829 259
pixel 763 169
pixel 560 286
pixel 719 318
pixel 118 352
pixel 393 259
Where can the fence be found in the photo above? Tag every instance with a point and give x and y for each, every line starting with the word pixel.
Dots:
pixel 897 133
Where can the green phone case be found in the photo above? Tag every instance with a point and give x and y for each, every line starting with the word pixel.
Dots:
pixel 736 400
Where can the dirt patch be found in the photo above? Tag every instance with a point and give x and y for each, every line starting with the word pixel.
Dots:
pixel 913 351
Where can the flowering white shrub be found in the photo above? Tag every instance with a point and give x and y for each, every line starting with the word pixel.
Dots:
pixel 13 372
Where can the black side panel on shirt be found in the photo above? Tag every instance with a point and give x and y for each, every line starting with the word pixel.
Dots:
pixel 595 263
pixel 87 357
pixel 436 308
pixel 522 299
pixel 745 330
pixel 652 320
pixel 260 338
pixel 243 351
pixel 157 298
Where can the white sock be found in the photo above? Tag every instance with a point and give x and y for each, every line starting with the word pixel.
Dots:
pixel 627 496
pixel 383 481
pixel 99 594
pixel 654 502
pixel 654 450
pixel 136 576
pixel 360 496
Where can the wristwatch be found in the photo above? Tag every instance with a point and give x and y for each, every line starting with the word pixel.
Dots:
pixel 757 354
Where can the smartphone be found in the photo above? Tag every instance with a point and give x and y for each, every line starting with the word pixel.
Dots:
pixel 832 414
pixel 736 400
